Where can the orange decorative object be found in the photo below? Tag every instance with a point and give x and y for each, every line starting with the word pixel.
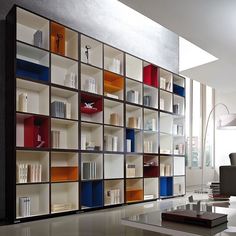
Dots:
pixel 113 82
pixel 134 195
pixel 65 173
pixel 57 39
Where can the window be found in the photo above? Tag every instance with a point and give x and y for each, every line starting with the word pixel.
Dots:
pixel 199 103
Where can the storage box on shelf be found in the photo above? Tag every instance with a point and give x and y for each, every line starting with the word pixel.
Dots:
pixel 32 29
pixel 91 137
pixel 134 91
pixel 113 192
pixel 114 113
pixel 64 166
pixel 151 188
pixel 91 166
pixel 92 194
pixel 91 107
pixel 91 79
pixel 134 140
pixel 166 80
pixel 150 166
pixel 32 200
pixel 150 75
pixel 150 97
pixel 91 51
pixel 32 131
pixel 32 63
pixel 113 166
pixel 32 97
pixel 166 187
pixel 64 197
pixel 178 105
pixel 64 41
pixel 134 166
pixel 113 85
pixel 64 103
pixel 134 190
pixel 64 71
pixel 64 134
pixel 32 166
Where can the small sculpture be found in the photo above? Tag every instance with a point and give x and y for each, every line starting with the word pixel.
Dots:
pixel 89 105
pixel 59 37
pixel 87 52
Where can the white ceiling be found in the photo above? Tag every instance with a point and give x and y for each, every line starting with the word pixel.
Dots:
pixel 210 24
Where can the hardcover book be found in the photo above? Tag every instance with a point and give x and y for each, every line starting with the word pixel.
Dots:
pixel 207 219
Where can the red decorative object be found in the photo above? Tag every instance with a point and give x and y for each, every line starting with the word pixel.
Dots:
pixel 88 98
pixel 34 127
pixel 150 75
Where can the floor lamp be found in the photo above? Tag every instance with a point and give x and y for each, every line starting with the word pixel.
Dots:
pixel 227 122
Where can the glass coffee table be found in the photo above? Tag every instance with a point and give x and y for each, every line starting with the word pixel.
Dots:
pixel 152 222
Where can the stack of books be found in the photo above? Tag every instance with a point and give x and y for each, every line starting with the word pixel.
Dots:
pixel 71 80
pixel 55 138
pixel 89 170
pixel 130 170
pixel 148 196
pixel 28 173
pixel 38 38
pixel 61 207
pixel 24 206
pixel 178 129
pixel 110 143
pixel 113 196
pixel 215 194
pixel 133 96
pixel 61 109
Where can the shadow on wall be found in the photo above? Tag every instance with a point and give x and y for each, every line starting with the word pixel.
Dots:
pixel 2 119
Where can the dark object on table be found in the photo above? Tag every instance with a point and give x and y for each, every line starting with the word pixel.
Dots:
pixel 208 219
pixel 232 157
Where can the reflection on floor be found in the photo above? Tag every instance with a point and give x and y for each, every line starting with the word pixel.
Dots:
pixel 98 223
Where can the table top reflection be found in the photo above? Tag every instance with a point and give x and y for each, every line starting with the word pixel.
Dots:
pixel 152 222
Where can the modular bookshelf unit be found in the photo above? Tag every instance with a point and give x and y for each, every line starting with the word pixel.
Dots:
pixel 87 125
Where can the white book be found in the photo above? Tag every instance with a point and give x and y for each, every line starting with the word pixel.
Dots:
pixel 162 104
pixel 162 83
pixel 114 143
pixel 68 110
pixel 139 123
pixel 162 169
pixel 23 102
pixel 136 96
pixel 40 173
pixel 128 145
pixel 83 142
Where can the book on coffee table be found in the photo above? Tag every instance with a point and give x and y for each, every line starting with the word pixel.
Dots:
pixel 206 219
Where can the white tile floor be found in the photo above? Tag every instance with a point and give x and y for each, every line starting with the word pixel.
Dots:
pixel 96 223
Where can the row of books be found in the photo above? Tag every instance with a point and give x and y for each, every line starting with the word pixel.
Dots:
pixel 89 170
pixel 214 193
pixel 90 85
pixel 178 129
pixel 148 146
pixel 113 196
pixel 115 66
pixel 24 206
pixel 55 138
pixel 27 173
pixel 61 207
pixel 165 85
pixel 61 109
pixel 111 143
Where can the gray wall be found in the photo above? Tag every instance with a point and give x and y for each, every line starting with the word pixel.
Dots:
pixel 107 20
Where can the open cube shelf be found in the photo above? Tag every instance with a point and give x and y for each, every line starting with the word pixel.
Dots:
pixel 92 126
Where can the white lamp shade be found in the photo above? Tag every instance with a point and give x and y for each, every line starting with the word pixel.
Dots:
pixel 227 121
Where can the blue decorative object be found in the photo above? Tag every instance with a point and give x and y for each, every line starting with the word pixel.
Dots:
pixel 166 188
pixel 179 90
pixel 92 194
pixel 30 70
